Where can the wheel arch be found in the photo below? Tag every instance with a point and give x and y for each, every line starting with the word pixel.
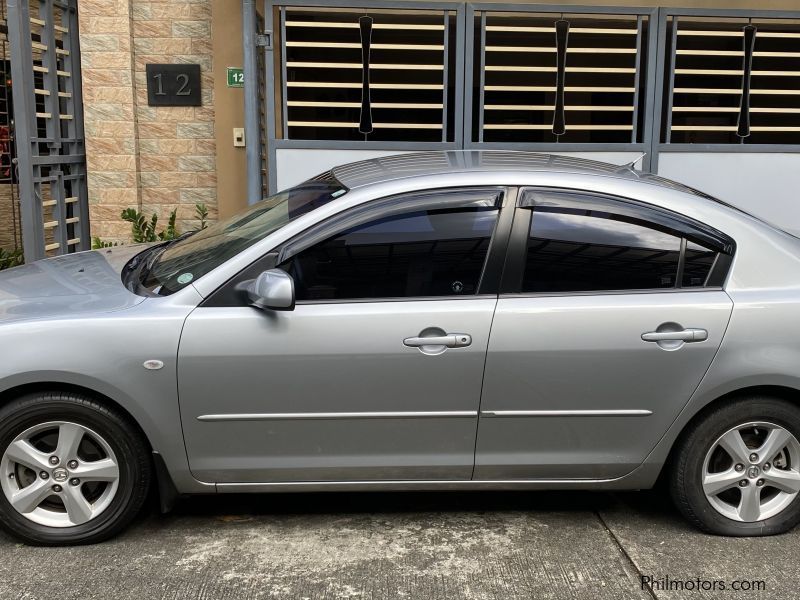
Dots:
pixel 779 391
pixel 167 493
pixel 12 393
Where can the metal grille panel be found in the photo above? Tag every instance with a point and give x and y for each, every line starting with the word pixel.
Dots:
pixel 733 81
pixel 49 126
pixel 555 77
pixel 10 225
pixel 375 75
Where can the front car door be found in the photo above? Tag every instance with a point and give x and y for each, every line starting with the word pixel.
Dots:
pixel 610 314
pixel 341 388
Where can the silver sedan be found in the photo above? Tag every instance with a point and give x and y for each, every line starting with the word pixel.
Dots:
pixel 434 321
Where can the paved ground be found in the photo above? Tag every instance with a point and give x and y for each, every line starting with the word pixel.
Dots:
pixel 494 546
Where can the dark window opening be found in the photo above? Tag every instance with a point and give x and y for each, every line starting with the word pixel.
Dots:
pixel 583 251
pixel 419 254
pixel 698 262
pixel 608 248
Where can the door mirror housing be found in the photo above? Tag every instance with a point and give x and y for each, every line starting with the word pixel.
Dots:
pixel 273 289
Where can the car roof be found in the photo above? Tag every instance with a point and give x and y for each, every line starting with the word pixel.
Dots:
pixel 421 164
pixel 440 162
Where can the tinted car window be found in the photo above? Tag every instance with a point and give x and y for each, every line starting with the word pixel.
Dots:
pixel 697 265
pixel 573 250
pixel 416 254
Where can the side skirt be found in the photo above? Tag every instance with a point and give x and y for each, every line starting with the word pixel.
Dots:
pixel 399 486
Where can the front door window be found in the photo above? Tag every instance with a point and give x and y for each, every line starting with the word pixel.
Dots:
pixel 417 254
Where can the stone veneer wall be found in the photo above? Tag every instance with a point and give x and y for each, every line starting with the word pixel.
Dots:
pixel 151 158
pixel 9 218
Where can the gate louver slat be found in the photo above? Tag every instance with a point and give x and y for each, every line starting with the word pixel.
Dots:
pixel 559 78
pixel 734 81
pixel 377 75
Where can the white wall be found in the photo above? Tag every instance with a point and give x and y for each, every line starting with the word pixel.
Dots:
pixel 766 185
pixel 295 165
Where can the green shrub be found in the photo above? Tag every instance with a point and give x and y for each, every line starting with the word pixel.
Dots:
pixel 201 214
pixel 12 258
pixel 97 243
pixel 144 230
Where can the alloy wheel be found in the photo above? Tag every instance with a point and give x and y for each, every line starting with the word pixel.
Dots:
pixel 59 474
pixel 752 471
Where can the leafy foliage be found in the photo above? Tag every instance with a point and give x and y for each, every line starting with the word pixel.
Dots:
pixel 144 229
pixel 97 243
pixel 201 213
pixel 12 258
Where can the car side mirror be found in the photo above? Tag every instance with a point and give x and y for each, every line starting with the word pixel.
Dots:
pixel 273 289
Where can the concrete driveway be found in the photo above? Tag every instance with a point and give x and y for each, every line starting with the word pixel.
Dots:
pixel 498 546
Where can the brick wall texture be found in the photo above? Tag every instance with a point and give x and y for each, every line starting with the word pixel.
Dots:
pixel 9 218
pixel 152 158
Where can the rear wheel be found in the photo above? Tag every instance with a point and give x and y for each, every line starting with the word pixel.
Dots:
pixel 72 470
pixel 737 472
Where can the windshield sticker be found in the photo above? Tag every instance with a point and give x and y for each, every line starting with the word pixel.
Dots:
pixel 185 278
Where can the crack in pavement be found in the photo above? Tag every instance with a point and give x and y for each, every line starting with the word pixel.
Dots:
pixel 616 541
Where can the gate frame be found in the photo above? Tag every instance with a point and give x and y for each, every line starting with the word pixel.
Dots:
pixel 645 146
pixel 26 134
pixel 654 89
pixel 274 143
pixel 658 146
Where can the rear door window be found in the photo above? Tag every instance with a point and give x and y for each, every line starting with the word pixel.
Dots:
pixel 587 243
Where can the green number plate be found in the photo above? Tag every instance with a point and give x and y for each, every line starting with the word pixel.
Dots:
pixel 235 77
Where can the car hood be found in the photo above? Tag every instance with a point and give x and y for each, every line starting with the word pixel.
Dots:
pixel 67 286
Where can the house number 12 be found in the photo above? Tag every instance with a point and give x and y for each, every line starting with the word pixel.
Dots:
pixel 183 85
pixel 173 85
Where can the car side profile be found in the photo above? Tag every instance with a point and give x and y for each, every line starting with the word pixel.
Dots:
pixel 433 321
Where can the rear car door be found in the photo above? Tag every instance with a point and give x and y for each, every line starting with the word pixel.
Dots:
pixel 609 315
pixel 376 374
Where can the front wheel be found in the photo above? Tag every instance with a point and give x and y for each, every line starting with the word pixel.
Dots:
pixel 737 471
pixel 72 470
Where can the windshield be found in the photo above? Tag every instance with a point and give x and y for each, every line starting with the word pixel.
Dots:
pixel 175 265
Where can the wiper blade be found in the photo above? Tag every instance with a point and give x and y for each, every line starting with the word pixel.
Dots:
pixel 182 237
pixel 159 249
pixel 139 267
pixel 152 256
pixel 150 252
pixel 134 262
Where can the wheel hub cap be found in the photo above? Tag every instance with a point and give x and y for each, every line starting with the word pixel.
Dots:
pixel 772 456
pixel 32 472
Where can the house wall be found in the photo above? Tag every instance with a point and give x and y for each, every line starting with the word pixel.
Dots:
pixel 151 158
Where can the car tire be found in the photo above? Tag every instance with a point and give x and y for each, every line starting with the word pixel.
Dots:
pixel 103 476
pixel 724 488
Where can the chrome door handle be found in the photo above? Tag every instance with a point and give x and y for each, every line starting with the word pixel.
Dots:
pixel 450 340
pixel 685 335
